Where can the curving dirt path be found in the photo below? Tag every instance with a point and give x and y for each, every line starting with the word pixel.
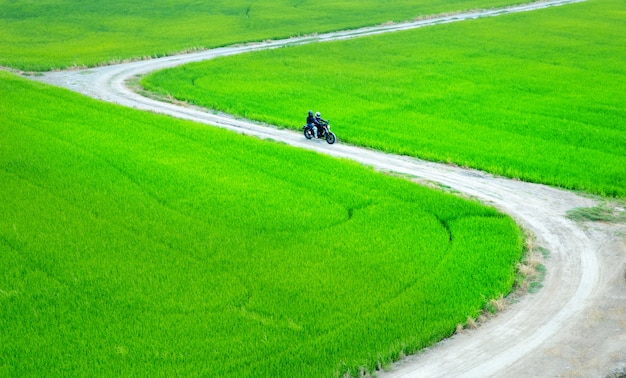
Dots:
pixel 575 326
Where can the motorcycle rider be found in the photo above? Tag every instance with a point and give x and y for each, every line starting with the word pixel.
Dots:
pixel 311 122
pixel 319 121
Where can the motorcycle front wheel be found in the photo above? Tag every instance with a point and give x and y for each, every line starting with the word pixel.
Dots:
pixel 330 138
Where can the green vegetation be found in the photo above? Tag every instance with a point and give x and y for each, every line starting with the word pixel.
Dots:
pixel 538 96
pixel 613 212
pixel 40 35
pixel 136 244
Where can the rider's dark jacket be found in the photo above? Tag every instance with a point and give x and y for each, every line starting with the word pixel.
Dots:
pixel 310 120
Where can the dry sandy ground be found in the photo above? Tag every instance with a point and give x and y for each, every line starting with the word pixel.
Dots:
pixel 575 326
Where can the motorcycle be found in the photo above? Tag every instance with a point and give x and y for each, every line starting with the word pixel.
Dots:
pixel 323 132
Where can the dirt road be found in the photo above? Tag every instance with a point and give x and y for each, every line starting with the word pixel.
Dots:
pixel 575 326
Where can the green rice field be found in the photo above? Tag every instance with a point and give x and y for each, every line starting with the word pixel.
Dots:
pixel 43 35
pixel 538 96
pixel 133 244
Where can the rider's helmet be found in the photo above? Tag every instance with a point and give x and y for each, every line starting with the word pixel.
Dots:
pixel 317 115
pixel 310 112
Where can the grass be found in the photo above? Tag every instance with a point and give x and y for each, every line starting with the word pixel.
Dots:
pixel 136 244
pixel 43 35
pixel 612 212
pixel 531 271
pixel 537 96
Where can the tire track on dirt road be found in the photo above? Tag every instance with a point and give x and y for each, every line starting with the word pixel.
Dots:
pixel 574 326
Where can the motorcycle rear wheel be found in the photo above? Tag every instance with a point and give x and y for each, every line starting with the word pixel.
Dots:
pixel 308 133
